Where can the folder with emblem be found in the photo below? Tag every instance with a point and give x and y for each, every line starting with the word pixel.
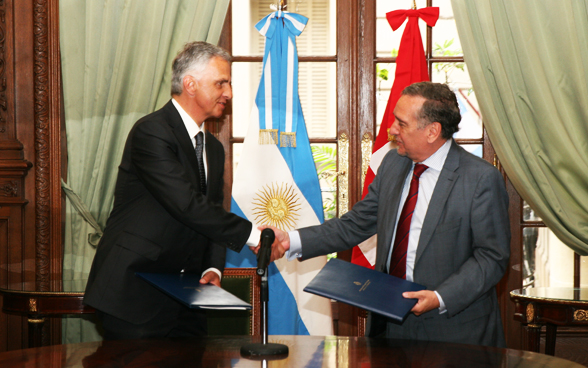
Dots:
pixel 364 288
pixel 186 289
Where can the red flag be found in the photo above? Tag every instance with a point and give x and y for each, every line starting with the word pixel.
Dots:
pixel 411 67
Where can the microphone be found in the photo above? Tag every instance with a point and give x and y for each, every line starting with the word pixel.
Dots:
pixel 265 250
pixel 264 350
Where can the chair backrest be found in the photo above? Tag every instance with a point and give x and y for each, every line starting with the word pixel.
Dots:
pixel 244 284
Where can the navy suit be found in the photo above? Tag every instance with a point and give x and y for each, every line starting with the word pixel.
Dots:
pixel 160 221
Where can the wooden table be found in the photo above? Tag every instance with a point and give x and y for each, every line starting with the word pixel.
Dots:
pixel 549 307
pixel 64 297
pixel 304 351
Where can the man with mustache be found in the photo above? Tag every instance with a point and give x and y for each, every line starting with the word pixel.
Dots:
pixel 454 238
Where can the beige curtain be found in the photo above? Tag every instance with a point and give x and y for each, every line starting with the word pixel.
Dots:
pixel 116 63
pixel 528 61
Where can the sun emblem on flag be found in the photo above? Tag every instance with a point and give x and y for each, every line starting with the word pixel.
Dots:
pixel 277 206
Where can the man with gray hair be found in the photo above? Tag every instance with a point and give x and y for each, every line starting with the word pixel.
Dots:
pixel 168 215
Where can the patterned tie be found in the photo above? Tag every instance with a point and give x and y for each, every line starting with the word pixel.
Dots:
pixel 199 149
pixel 398 259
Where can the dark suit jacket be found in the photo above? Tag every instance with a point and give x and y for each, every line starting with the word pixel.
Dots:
pixel 462 253
pixel 160 221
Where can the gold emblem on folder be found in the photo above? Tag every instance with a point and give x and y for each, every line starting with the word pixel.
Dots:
pixel 363 286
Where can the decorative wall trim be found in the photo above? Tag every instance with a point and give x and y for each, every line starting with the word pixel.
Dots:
pixel 42 157
pixel 343 176
pixel 581 315
pixel 3 98
pixel 9 189
pixel 366 156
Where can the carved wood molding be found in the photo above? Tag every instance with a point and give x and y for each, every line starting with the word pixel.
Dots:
pixel 10 189
pixel 3 98
pixel 42 159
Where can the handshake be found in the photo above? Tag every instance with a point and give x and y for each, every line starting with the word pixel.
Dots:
pixel 278 240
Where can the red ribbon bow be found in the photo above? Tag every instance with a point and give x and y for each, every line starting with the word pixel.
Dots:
pixel 397 17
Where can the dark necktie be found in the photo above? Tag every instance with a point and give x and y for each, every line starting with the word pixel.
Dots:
pixel 199 149
pixel 398 259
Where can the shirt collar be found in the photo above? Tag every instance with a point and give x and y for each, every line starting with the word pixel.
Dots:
pixel 437 159
pixel 190 124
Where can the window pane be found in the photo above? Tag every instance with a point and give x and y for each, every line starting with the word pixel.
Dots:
pixel 325 158
pixel 320 34
pixel 475 149
pixel 245 83
pixel 318 37
pixel 386 39
pixel 583 271
pixel 454 74
pixel 530 237
pixel 384 80
pixel 547 262
pixel 529 214
pixel 445 38
pixel 318 96
pixel 246 39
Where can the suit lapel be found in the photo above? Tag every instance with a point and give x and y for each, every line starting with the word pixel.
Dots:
pixel 392 193
pixel 184 140
pixel 445 183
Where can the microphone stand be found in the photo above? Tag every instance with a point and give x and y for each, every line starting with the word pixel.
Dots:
pixel 263 349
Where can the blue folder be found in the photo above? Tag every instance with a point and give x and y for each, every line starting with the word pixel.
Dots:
pixel 186 288
pixel 364 288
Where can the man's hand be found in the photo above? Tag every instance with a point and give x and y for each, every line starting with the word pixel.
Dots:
pixel 279 247
pixel 427 300
pixel 211 277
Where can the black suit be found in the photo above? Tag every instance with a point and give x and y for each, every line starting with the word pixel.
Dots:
pixel 160 221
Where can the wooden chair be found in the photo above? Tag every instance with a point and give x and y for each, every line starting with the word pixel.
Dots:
pixel 245 284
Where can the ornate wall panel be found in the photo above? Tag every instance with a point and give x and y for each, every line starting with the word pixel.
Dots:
pixel 30 194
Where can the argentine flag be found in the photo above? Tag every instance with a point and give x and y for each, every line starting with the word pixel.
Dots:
pixel 276 182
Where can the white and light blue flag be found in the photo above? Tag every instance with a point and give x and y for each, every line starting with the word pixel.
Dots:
pixel 276 182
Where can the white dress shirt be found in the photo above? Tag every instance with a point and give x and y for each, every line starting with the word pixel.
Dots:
pixel 193 129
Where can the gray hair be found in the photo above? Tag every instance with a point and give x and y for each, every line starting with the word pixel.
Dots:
pixel 193 59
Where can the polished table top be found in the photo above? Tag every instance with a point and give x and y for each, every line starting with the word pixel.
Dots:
pixel 60 297
pixel 553 293
pixel 304 351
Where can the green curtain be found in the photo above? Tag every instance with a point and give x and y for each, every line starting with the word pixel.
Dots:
pixel 528 62
pixel 116 64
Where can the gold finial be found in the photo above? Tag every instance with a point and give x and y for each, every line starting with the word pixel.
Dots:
pixel 414 4
pixel 279 5
pixel 391 137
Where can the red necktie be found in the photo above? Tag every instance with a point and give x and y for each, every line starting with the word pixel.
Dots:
pixel 398 259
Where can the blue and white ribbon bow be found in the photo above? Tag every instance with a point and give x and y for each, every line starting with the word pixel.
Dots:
pixel 277 96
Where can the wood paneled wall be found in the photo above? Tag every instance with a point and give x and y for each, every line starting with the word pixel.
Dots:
pixel 30 153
